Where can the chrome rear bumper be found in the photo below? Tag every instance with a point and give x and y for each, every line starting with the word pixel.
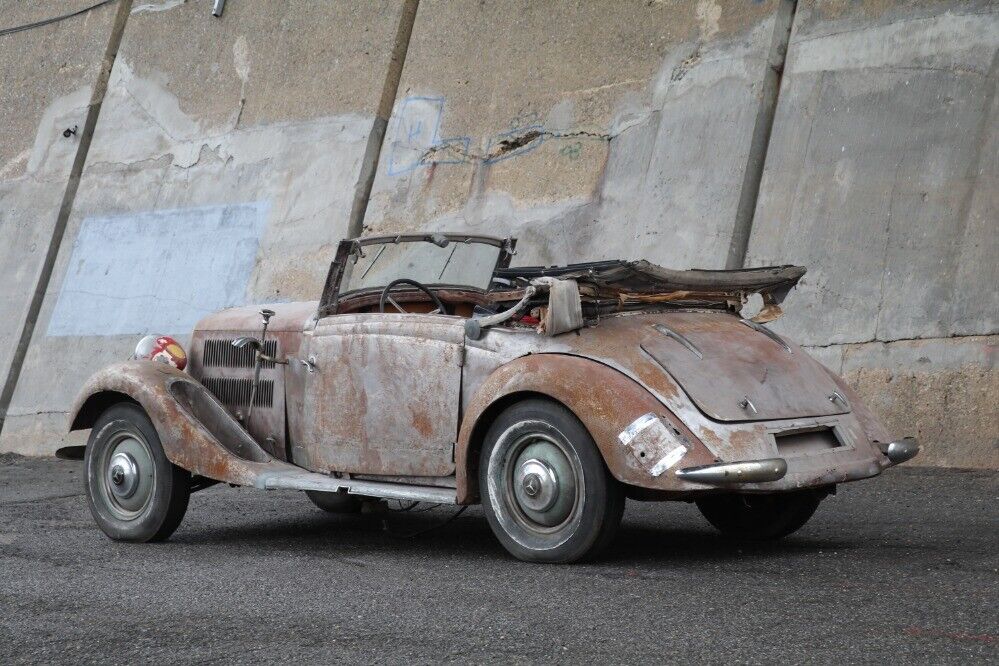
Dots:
pixel 749 471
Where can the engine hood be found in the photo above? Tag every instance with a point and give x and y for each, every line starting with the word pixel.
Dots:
pixel 737 371
pixel 288 317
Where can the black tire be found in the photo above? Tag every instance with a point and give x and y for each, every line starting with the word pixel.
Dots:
pixel 543 439
pixel 760 517
pixel 159 496
pixel 335 502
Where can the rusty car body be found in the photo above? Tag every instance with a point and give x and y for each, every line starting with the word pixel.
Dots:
pixel 431 371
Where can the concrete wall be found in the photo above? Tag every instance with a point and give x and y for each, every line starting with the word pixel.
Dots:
pixel 882 177
pixel 222 171
pixel 635 124
pixel 230 152
pixel 48 77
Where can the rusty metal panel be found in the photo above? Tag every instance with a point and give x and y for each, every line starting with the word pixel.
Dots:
pixel 658 444
pixel 228 373
pixel 495 367
pixel 741 374
pixel 604 400
pixel 384 397
pixel 196 432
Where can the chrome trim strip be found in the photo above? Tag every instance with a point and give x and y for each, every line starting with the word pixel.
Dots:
pixel 303 480
pixel 670 333
pixel 767 332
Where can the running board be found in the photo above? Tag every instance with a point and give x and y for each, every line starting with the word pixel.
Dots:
pixel 303 480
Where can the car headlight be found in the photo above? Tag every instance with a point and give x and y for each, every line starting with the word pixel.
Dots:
pixel 161 349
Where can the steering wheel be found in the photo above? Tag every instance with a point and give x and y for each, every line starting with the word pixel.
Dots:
pixel 413 283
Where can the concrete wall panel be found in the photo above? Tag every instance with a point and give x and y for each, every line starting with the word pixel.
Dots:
pixel 882 177
pixel 588 133
pixel 222 170
pixel 47 77
pixel 944 391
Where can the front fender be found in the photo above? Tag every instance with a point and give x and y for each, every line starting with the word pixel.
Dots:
pixel 195 430
pixel 604 399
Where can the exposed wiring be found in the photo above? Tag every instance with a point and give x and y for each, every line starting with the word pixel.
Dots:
pixel 54 19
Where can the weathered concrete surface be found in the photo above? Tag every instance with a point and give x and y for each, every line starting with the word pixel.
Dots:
pixel 47 79
pixel 945 391
pixel 247 142
pixel 635 126
pixel 882 177
pixel 229 154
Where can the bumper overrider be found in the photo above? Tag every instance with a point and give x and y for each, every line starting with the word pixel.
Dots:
pixel 900 450
pixel 748 471
pixel 665 448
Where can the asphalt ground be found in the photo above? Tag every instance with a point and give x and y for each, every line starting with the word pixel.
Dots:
pixel 902 569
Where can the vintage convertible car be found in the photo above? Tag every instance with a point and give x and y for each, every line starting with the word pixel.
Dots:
pixel 431 371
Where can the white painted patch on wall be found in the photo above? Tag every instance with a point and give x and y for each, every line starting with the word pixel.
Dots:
pixel 157 271
pixel 241 58
pixel 708 12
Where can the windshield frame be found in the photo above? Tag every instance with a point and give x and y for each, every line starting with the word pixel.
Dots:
pixel 331 296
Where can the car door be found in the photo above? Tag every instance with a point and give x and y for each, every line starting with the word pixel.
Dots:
pixel 383 396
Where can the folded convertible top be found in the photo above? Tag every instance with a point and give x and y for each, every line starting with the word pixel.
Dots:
pixel 621 279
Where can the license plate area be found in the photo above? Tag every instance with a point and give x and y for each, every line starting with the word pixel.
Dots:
pixel 803 442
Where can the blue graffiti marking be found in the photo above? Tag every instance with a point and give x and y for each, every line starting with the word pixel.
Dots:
pixel 416 128
pixel 416 132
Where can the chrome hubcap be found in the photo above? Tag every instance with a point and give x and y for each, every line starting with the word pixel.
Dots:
pixel 124 475
pixel 128 475
pixel 541 481
pixel 535 485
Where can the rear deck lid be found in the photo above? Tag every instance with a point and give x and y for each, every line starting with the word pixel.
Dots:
pixel 738 371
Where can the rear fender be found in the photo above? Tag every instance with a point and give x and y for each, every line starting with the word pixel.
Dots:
pixel 605 400
pixel 196 431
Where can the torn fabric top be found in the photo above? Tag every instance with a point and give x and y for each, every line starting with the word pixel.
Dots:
pixel 619 284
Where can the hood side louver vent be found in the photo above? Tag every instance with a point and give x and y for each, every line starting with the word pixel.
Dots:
pixel 234 392
pixel 220 353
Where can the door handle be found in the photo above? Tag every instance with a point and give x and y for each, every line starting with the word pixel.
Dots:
pixel 310 363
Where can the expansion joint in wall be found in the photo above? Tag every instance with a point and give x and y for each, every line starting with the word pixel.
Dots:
pixel 66 207
pixel 760 140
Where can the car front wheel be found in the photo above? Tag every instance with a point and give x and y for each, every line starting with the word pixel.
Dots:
pixel 760 517
pixel 134 492
pixel 545 489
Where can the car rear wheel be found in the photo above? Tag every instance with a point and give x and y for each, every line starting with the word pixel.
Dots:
pixel 335 502
pixel 760 517
pixel 545 488
pixel 134 492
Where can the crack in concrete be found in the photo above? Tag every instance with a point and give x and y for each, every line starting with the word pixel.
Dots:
pixel 507 146
pixel 955 336
pixel 884 251
pixel 681 70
